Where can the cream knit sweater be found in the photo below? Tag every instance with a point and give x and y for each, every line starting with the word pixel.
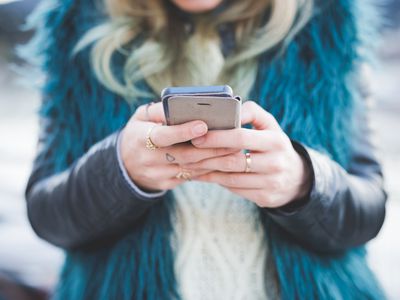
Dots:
pixel 219 243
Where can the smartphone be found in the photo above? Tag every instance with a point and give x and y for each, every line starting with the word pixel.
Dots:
pixel 215 105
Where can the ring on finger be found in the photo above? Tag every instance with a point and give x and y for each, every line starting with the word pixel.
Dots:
pixel 149 143
pixel 248 162
pixel 184 175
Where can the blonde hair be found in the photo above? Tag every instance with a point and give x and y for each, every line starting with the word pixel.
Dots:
pixel 168 56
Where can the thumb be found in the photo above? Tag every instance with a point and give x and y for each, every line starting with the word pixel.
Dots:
pixel 164 136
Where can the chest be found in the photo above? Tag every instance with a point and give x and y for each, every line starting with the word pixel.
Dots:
pixel 219 244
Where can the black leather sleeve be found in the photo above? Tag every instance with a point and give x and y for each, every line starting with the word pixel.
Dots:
pixel 345 208
pixel 91 200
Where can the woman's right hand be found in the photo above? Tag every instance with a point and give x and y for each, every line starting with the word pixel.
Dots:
pixel 154 170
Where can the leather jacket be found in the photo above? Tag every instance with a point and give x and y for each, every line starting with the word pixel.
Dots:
pixel 92 201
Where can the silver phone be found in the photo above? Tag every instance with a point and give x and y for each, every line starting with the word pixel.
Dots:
pixel 215 105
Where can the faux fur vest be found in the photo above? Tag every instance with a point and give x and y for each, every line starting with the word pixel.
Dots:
pixel 311 91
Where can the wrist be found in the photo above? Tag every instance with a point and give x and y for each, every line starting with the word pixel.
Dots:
pixel 306 179
pixel 306 174
pixel 134 186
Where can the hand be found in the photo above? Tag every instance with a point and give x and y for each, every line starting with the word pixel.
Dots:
pixel 157 169
pixel 278 174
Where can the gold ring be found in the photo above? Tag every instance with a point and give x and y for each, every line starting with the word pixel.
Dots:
pixel 248 163
pixel 185 175
pixel 149 143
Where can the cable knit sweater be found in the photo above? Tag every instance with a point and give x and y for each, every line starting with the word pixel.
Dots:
pixel 219 244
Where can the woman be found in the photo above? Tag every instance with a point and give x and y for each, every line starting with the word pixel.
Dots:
pixel 286 221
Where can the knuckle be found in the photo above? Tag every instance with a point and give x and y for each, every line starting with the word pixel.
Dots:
pixel 278 165
pixel 276 185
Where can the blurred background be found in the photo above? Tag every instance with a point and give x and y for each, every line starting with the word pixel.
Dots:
pixel 29 266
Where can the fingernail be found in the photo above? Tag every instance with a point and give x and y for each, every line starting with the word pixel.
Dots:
pixel 199 129
pixel 198 141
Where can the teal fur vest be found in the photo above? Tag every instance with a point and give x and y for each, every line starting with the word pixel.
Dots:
pixel 310 88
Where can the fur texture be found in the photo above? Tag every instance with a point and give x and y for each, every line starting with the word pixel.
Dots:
pixel 308 88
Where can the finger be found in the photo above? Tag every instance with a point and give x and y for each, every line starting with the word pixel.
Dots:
pixel 160 173
pixel 254 114
pixel 150 113
pixel 235 162
pixel 170 183
pixel 261 197
pixel 242 138
pixel 184 154
pixel 235 180
pixel 165 136
pixel 238 162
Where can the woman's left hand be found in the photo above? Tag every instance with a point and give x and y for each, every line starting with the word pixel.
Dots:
pixel 277 175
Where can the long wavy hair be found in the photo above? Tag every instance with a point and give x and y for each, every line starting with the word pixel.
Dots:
pixel 159 47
